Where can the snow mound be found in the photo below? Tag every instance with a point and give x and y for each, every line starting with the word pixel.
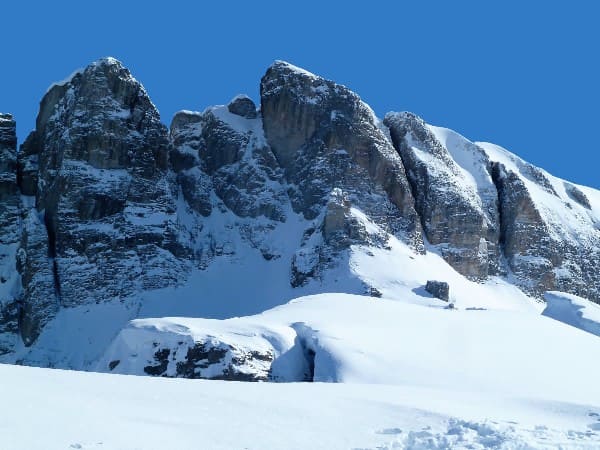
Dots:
pixel 358 339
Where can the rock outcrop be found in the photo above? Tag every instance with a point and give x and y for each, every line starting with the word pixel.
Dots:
pixel 225 168
pixel 10 232
pixel 457 205
pixel 326 138
pixel 548 232
pixel 97 165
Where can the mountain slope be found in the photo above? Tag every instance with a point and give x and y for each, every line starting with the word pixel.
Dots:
pixel 110 216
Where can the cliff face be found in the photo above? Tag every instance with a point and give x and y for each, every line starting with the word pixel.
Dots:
pixel 326 138
pixel 10 232
pixel 96 165
pixel 104 205
pixel 457 203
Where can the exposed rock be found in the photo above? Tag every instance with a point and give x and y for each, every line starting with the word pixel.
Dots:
pixel 103 204
pixel 326 138
pixel 543 252
pixel 439 289
pixel 459 218
pixel 243 106
pixel 10 231
pixel 577 195
pixel 210 359
pixel 228 155
pixel 102 192
pixel 38 276
pixel 524 234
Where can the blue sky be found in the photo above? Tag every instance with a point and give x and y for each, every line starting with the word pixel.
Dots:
pixel 524 75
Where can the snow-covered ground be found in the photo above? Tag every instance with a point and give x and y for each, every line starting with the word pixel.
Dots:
pixel 574 311
pixel 53 409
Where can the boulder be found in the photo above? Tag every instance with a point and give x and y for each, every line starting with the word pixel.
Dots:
pixel 439 289
pixel 243 106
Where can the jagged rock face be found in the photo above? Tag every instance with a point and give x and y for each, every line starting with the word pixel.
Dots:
pixel 326 138
pixel 230 182
pixel 9 233
pixel 97 165
pixel 459 218
pixel 226 152
pixel 103 204
pixel 545 255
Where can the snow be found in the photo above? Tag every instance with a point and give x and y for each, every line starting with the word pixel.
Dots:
pixel 574 311
pixel 297 69
pixel 66 80
pixel 379 267
pixel 469 158
pixel 413 377
pixel 359 339
pixel 567 219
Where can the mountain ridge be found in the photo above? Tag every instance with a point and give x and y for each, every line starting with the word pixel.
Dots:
pixel 114 208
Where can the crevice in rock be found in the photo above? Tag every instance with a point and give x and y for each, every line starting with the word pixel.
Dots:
pixel 50 224
pixel 397 143
pixel 496 173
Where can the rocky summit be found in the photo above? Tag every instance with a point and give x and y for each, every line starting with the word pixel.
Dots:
pixel 107 215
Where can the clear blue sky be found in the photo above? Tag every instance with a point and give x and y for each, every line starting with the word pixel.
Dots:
pixel 524 75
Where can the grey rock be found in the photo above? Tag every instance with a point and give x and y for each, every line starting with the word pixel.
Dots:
pixel 439 289
pixel 103 195
pixel 10 230
pixel 326 138
pixel 462 224
pixel 103 203
pixel 243 106
pixel 577 195
pixel 542 257
pixel 213 360
pixel 228 156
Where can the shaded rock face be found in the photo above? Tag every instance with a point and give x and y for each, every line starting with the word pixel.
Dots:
pixel 97 166
pixel 231 184
pixel 223 152
pixel 326 138
pixel 460 220
pixel 10 230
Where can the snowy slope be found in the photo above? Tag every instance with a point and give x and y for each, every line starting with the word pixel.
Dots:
pixel 46 409
pixel 552 195
pixel 359 339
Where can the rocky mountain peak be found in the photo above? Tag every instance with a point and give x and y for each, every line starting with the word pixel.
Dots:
pixel 325 137
pixel 97 167
pixel 104 208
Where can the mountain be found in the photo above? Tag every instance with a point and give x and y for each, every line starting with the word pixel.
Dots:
pixel 111 220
